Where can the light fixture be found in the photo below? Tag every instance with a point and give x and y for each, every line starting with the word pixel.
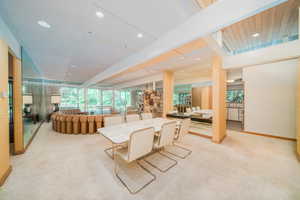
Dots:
pixel 255 35
pixel 140 35
pixel 198 59
pixel 73 66
pixel 99 14
pixel 230 81
pixel 182 57
pixel 44 24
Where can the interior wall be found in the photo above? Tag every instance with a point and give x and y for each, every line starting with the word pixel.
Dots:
pixel 8 37
pixel 202 97
pixel 270 98
pixel 4 133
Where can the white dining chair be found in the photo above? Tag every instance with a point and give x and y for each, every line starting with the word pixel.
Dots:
pixel 132 118
pixel 198 108
pixel 139 145
pixel 164 139
pixel 113 120
pixel 183 130
pixel 147 116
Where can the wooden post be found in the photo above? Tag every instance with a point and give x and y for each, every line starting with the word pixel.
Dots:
pixel 168 88
pixel 5 167
pixel 219 99
pixel 17 106
pixel 298 111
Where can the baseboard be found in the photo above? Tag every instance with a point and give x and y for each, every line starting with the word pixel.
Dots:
pixel 19 152
pixel 201 135
pixel 270 136
pixel 5 175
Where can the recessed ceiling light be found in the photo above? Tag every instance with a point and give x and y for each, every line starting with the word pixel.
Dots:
pixel 198 59
pixel 182 57
pixel 255 35
pixel 73 66
pixel 230 81
pixel 44 24
pixel 140 35
pixel 99 14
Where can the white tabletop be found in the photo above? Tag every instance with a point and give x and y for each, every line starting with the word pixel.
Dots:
pixel 121 133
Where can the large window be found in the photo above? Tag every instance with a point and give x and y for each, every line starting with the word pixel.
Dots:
pixel 69 97
pixel 94 100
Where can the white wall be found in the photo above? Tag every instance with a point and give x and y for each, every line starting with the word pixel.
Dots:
pixel 270 98
pixel 9 38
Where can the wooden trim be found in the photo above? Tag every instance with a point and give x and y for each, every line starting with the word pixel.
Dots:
pixel 201 135
pixel 31 139
pixel 5 175
pixel 270 136
pixel 17 106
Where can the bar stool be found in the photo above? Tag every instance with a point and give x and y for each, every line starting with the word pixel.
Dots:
pixel 98 120
pixel 69 124
pixel 58 123
pixel 76 124
pixel 53 122
pixel 91 121
pixel 83 123
pixel 63 123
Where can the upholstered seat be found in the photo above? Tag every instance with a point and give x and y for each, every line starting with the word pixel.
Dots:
pixel 69 124
pixel 83 123
pixel 98 121
pixel 113 120
pixel 63 123
pixel 91 122
pixel 147 116
pixel 76 124
pixel 132 118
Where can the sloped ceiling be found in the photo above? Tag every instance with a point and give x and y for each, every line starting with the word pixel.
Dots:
pixel 79 44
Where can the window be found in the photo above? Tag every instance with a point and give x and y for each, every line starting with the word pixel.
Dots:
pixel 94 100
pixel 235 96
pixel 69 97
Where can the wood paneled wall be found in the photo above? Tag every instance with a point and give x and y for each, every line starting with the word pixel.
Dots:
pixel 202 96
pixel 298 111
pixel 17 106
pixel 168 87
pixel 4 118
pixel 219 99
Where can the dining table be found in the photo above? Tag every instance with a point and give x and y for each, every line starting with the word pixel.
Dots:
pixel 119 134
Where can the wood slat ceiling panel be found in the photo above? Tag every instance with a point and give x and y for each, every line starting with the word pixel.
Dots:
pixel 273 24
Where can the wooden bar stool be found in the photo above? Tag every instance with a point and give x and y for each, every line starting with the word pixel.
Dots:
pixel 83 123
pixel 58 124
pixel 98 121
pixel 69 124
pixel 91 121
pixel 63 123
pixel 76 124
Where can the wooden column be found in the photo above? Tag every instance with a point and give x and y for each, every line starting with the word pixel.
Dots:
pixel 168 87
pixel 219 99
pixel 5 167
pixel 298 111
pixel 17 106
pixel 298 102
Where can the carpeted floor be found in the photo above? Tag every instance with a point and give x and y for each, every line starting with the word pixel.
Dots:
pixel 74 167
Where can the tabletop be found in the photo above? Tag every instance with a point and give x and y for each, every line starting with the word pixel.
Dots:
pixel 121 133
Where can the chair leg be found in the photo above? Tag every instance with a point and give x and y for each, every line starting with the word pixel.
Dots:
pixel 159 169
pixel 124 183
pixel 182 157
pixel 113 147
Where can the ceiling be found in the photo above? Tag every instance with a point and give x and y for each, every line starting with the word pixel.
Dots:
pixel 185 65
pixel 79 44
pixel 274 24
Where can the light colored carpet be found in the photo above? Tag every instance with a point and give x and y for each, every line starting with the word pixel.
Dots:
pixel 74 167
